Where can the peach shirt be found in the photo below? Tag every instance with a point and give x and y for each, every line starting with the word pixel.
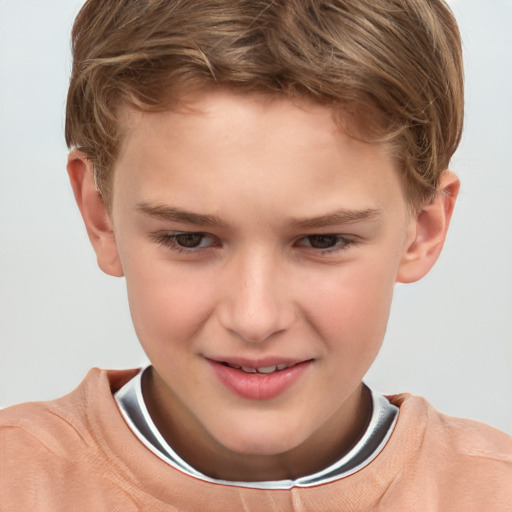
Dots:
pixel 77 453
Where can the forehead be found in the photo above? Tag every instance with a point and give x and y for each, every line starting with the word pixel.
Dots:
pixel 228 106
pixel 269 150
pixel 220 110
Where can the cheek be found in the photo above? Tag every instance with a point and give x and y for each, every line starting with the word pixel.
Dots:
pixel 167 304
pixel 351 306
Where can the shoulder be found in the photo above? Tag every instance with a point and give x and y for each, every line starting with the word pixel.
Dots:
pixel 465 437
pixel 45 446
pixel 467 464
pixel 45 425
pixel 51 431
pixel 55 425
pixel 475 440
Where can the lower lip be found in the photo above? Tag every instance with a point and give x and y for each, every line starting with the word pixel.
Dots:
pixel 258 386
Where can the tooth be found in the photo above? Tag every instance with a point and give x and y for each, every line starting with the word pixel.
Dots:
pixel 266 369
pixel 282 366
pixel 247 369
pixel 234 366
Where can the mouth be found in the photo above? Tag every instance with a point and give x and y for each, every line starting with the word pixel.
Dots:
pixel 259 380
pixel 262 370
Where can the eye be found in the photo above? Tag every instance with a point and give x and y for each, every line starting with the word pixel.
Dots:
pixel 190 240
pixel 185 241
pixel 326 243
pixel 322 241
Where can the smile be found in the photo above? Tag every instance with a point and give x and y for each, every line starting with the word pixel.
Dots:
pixel 259 380
pixel 261 369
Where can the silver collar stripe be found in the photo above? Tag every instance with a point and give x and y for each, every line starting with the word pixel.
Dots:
pixel 130 401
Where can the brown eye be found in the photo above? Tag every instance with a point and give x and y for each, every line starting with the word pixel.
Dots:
pixel 189 240
pixel 323 241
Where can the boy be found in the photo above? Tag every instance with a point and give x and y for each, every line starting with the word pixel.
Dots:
pixel 262 173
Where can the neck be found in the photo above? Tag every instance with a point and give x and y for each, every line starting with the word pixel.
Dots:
pixel 198 448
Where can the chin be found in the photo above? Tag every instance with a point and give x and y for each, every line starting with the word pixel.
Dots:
pixel 267 440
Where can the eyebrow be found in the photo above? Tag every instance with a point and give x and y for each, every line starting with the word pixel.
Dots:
pixel 343 216
pixel 174 214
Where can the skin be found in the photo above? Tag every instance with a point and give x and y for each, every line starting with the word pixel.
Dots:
pixel 301 234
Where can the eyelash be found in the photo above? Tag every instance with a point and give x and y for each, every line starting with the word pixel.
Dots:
pixel 342 243
pixel 169 240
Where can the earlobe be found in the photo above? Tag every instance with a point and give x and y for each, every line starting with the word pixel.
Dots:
pixel 94 213
pixel 429 231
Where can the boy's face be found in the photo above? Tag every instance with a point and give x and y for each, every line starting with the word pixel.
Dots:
pixel 254 233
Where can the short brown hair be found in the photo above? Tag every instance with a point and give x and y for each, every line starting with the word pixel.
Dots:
pixel 398 61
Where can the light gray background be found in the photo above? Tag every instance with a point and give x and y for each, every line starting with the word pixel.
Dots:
pixel 449 337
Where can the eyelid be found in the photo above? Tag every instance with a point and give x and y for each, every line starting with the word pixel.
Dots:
pixel 168 239
pixel 343 243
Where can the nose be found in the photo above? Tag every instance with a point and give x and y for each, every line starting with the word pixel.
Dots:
pixel 256 302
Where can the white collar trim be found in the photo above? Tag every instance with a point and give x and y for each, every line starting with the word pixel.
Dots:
pixel 130 401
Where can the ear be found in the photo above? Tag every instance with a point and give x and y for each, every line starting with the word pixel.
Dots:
pixel 96 218
pixel 428 231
